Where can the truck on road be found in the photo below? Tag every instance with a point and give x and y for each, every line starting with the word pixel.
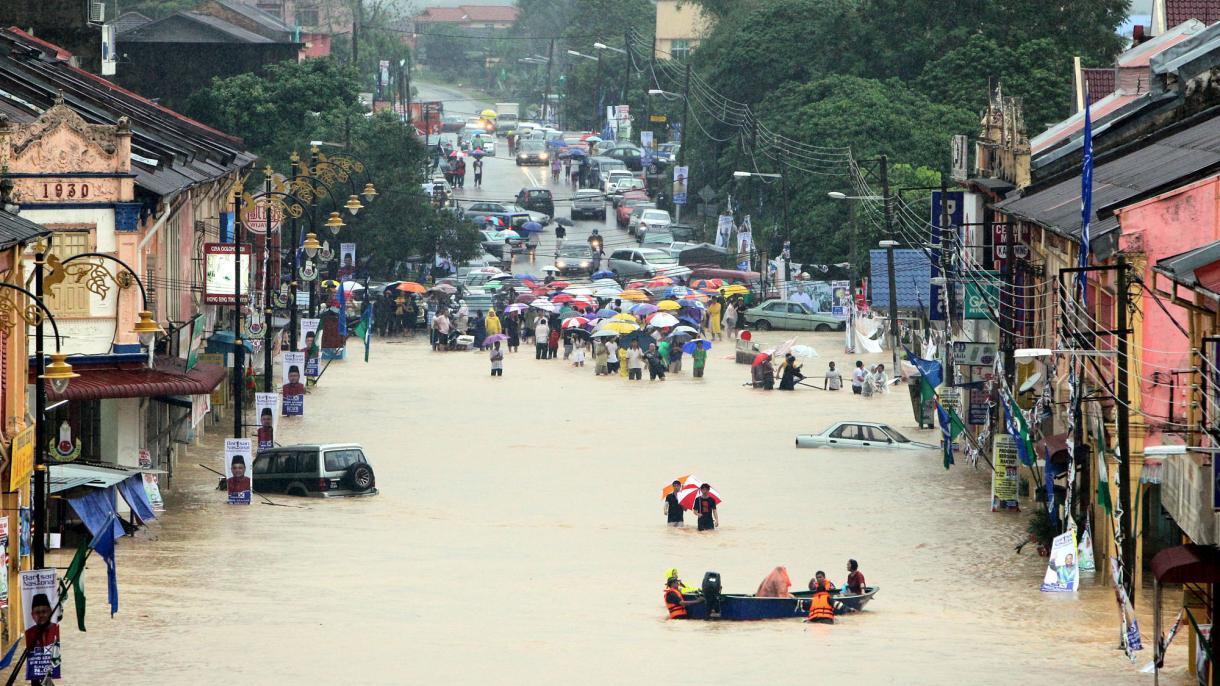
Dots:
pixel 508 114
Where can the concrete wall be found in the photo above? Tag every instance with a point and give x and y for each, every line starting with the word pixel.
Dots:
pixel 683 21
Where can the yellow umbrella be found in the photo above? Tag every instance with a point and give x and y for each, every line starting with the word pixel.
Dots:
pixel 625 317
pixel 633 295
pixel 621 327
pixel 735 289
pixel 669 305
pixel 488 114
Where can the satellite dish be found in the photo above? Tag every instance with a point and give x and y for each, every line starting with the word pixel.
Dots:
pixel 1031 381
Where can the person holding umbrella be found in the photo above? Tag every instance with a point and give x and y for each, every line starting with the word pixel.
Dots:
pixel 790 373
pixel 674 515
pixel 497 358
pixel 478 171
pixel 698 357
pixel 705 509
pixel 656 368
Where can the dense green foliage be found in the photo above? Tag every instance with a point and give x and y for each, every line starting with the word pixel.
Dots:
pixel 294 103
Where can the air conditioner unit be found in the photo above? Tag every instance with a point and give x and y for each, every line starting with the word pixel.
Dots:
pixel 97 12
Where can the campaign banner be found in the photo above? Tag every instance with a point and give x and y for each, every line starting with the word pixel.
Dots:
pixel 39 597
pixel 951 222
pixel 840 300
pixel 1084 552
pixel 237 462
pixel 745 236
pixel 1005 477
pixel 347 260
pixel 724 228
pixel 152 488
pixel 293 389
pixel 1062 573
pixel 308 343
pixel 4 559
pixel 25 519
pixel 267 409
pixel 681 174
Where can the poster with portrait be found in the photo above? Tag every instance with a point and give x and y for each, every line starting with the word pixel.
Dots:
pixel 267 411
pixel 308 343
pixel 152 488
pixel 347 260
pixel 681 174
pixel 39 598
pixel 4 559
pixel 293 388
pixel 25 520
pixel 840 299
pixel 724 229
pixel 237 470
pixel 1062 573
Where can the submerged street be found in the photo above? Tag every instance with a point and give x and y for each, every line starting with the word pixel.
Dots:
pixel 519 522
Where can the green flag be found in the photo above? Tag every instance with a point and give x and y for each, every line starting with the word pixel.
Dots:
pixel 73 577
pixel 1103 478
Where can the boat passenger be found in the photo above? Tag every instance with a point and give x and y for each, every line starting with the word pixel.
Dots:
pixel 820 610
pixel 855 578
pixel 672 572
pixel 675 602
pixel 776 584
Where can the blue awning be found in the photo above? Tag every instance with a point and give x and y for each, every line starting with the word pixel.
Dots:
pixel 222 342
pixel 95 508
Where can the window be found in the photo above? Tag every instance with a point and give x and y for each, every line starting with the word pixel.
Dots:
pixel 872 433
pixel 679 49
pixel 775 307
pixel 261 463
pixel 794 308
pixel 286 463
pixel 847 431
pixel 70 299
pixel 340 460
pixel 307 16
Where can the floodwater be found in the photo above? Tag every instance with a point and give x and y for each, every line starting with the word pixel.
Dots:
pixel 518 539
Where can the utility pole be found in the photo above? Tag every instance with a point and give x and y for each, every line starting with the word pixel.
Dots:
pixel 268 361
pixel 39 501
pixel 786 246
pixel 295 169
pixel 942 228
pixel 239 346
pixel 1123 425
pixel 597 91
pixel 883 165
pixel 682 139
pixel 313 222
pixel 546 93
pixel 1008 306
pixel 357 10
pixel 626 67
pixel 407 97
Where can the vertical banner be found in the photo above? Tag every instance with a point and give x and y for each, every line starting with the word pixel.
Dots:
pixel 1062 573
pixel 310 345
pixel 745 244
pixel 39 596
pixel 293 389
pixel 724 229
pixel 152 488
pixel 681 174
pixel 25 519
pixel 237 479
pixel 954 203
pixel 1005 477
pixel 840 299
pixel 347 260
pixel 267 408
pixel 4 560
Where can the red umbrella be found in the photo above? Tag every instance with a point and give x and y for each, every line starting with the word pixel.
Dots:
pixel 574 322
pixel 525 298
pixel 659 282
pixel 690 491
pixel 581 304
pixel 759 359
pixel 559 284
pixel 563 298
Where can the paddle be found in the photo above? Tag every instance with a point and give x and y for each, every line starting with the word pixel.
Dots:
pixel 265 498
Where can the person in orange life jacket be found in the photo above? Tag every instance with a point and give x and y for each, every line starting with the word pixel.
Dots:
pixel 820 610
pixel 675 602
pixel 705 509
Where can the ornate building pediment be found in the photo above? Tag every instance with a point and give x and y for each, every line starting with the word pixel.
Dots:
pixel 60 141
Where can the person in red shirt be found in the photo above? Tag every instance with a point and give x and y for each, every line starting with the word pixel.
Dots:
pixel 855 578
pixel 42 641
pixel 552 343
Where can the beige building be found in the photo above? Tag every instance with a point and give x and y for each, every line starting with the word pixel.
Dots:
pixel 680 26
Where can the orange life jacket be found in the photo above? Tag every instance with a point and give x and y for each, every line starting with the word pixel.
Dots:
pixel 676 610
pixel 819 606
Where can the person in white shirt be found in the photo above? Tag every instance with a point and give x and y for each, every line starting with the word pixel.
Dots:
pixel 635 362
pixel 611 357
pixel 834 380
pixel 857 378
pixel 881 380
pixel 541 332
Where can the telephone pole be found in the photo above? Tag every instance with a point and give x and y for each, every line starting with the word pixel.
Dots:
pixel 546 93
pixel 1123 424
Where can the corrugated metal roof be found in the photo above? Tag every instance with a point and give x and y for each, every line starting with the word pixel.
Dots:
pixel 1179 11
pixel 264 19
pixel 1189 153
pixel 1100 81
pixel 168 377
pixel 154 32
pixel 912 277
pixel 1181 267
pixel 15 230
pixel 128 21
pixel 65 477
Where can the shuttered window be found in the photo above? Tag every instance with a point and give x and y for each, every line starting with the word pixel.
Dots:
pixel 69 298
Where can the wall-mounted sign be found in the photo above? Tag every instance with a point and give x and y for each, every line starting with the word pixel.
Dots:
pixel 974 354
pixel 218 286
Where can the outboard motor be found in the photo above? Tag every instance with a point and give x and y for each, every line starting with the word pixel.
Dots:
pixel 711 592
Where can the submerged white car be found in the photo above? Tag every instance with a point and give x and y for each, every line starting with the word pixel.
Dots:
pixel 860 435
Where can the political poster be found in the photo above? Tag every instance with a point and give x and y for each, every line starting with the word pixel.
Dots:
pixel 681 175
pixel 4 560
pixel 308 343
pixel 1006 476
pixel 39 598
pixel 840 300
pixel 1084 552
pixel 347 260
pixel 724 228
pixel 152 488
pixel 237 470
pixel 1062 573
pixel 293 389
pixel 745 236
pixel 267 409
pixel 25 519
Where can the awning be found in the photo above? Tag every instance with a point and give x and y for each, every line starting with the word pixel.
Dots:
pixel 1190 563
pixel 222 342
pixel 168 377
pixel 63 477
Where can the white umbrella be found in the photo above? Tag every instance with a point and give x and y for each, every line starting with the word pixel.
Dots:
pixel 349 286
pixel 604 334
pixel 663 320
pixel 607 292
pixel 544 305
pixel 550 268
pixel 803 351
pixel 685 330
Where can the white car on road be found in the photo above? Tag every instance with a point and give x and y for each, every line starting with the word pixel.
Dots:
pixel 651 220
pixel 854 434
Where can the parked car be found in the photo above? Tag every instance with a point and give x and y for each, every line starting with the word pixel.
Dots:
pixel 625 209
pixel 537 199
pixel 575 259
pixel 860 435
pixel 685 232
pixel 495 242
pixel 629 155
pixel 633 220
pixel 640 262
pixel 322 471
pixel 792 315
pixel 532 152
pixel 658 238
pixel 617 180
pixel 651 220
pixel 600 168
pixel 589 202
pixel 505 208
pixel 617 200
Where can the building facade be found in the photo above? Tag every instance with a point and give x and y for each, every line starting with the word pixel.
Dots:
pixel 679 28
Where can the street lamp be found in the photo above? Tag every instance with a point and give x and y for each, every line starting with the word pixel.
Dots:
pixel 603 46
pixel 835 195
pixel 353 205
pixel 597 88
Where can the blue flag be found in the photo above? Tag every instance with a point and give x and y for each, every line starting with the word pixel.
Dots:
pixel 931 370
pixel 342 311
pixel 1086 193
pixel 103 544
pixel 1015 423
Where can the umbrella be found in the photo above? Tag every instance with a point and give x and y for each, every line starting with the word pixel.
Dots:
pixel 669 488
pixel 668 305
pixel 690 491
pixel 803 351
pixel 349 286
pixel 527 277
pixel 638 336
pixel 693 304
pixel 517 307
pixel 411 287
pixel 760 358
pixel 544 305
pixel 688 330
pixel 495 338
pixel 564 221
pixel 573 152
pixel 526 298
pixel 632 295
pixel 443 288
pixel 621 327
pixel 530 227
pixel 660 282
pixel 488 113
pixel 690 346
pixel 559 284
pixel 478 153
pixel 607 292
pixel 707 283
pixel 577 290
pixel 456 153
pixel 603 274
pixel 563 298
pixel 581 304
pixel 550 269
pixel 624 317
pixel 735 289
pixel 592 139
pixel 662 320
pixel 603 314
pixel 574 322
pixel 784 348
pixel 643 309
pixel 500 277
pixel 605 333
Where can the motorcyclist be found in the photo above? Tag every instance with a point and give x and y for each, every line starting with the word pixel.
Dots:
pixel 595 246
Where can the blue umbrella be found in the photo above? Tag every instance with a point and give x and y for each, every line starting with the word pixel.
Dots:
pixel 574 152
pixel 527 277
pixel 688 320
pixel 603 314
pixel 530 227
pixel 690 346
pixel 603 274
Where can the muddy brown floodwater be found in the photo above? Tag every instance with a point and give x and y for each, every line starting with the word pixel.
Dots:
pixel 518 539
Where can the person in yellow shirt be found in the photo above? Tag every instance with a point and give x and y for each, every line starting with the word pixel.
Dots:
pixel 713 318
pixel 622 362
pixel 492 324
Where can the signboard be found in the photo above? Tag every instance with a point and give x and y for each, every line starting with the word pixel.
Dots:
pixel 658 118
pixel 954 207
pixel 1062 572
pixel 152 488
pixel 840 299
pixel 347 260
pixel 982 295
pixel 978 407
pixel 960 153
pixel 39 598
pixel 309 344
pixel 218 286
pixel 974 354
pixel 238 460
pixel 22 459
pixel 951 399
pixel 293 389
pixel 4 561
pixel 645 139
pixel 999 237
pixel 681 174
pixel 1006 476
pixel 254 215
pixel 267 409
